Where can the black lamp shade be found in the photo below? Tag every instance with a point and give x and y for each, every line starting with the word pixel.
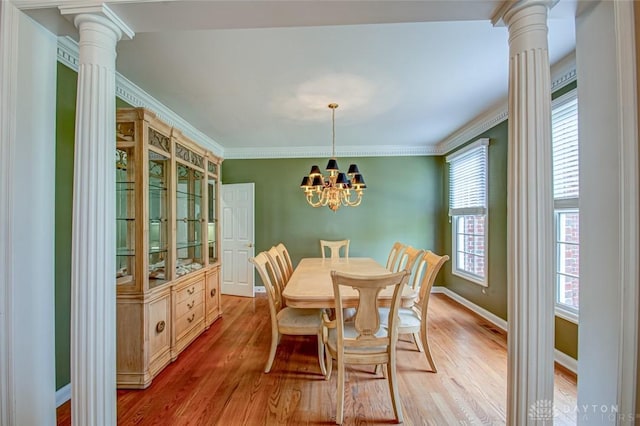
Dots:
pixel 315 171
pixel 358 181
pixel 342 180
pixel 353 170
pixel 317 181
pixel 305 182
pixel 332 165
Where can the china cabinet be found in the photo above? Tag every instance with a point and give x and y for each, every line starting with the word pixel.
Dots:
pixel 167 267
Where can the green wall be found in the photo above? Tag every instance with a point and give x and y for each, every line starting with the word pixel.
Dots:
pixel 65 129
pixel 403 202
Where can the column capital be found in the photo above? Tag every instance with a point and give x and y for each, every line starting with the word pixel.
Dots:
pixel 509 7
pixel 99 13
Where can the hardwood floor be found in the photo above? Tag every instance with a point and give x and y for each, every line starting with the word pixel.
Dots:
pixel 219 379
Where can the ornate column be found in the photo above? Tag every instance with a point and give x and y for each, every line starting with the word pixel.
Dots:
pixel 530 218
pixel 93 292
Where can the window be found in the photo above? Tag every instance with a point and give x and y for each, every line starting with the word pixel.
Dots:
pixel 564 136
pixel 468 211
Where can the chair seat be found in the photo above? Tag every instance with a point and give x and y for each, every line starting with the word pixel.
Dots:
pixel 408 318
pixel 307 321
pixel 350 332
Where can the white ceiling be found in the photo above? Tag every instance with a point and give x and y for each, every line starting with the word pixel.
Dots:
pixel 256 76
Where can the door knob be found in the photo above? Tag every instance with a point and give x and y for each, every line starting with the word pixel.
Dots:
pixel 250 245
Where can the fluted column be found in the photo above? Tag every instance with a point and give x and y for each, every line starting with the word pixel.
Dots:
pixel 530 218
pixel 93 291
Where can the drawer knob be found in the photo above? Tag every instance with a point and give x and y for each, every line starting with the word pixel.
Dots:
pixel 191 305
pixel 191 318
pixel 191 290
pixel 213 292
pixel 160 326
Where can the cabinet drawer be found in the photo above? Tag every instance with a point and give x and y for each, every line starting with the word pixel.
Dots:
pixel 189 319
pixel 189 291
pixel 189 303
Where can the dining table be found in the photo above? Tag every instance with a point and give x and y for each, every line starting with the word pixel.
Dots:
pixel 310 285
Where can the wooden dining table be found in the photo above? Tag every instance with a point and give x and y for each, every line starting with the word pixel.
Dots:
pixel 310 284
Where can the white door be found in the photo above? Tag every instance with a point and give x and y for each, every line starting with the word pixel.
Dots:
pixel 237 239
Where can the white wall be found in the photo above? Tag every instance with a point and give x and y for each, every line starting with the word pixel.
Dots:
pixel 608 214
pixel 28 184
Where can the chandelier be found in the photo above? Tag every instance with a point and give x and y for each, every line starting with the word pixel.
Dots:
pixel 337 189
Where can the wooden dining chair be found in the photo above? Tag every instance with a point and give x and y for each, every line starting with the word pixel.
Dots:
pixel 414 320
pixel 335 247
pixel 363 341
pixel 408 259
pixel 286 320
pixel 284 253
pixel 394 256
pixel 279 265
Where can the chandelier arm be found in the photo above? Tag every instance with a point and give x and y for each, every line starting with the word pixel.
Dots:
pixel 311 201
pixel 348 201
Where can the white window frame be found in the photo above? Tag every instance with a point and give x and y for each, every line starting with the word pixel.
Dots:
pixel 476 211
pixel 564 205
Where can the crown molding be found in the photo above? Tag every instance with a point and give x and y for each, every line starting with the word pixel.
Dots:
pixel 563 72
pixel 68 54
pixel 323 151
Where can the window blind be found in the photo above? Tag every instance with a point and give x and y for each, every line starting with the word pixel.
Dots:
pixel 564 133
pixel 468 181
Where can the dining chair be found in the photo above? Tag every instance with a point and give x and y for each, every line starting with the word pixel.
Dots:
pixel 394 256
pixel 414 320
pixel 287 320
pixel 279 267
pixel 363 341
pixel 408 259
pixel 335 247
pixel 284 253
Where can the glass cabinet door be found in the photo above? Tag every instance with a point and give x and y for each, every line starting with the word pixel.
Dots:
pixel 125 217
pixel 159 169
pixel 212 219
pixel 189 219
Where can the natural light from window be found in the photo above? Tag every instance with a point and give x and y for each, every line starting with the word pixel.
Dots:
pixel 564 124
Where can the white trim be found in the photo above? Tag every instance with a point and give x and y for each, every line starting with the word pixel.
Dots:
pixel 68 52
pixel 63 395
pixel 561 358
pixel 489 316
pixel 323 151
pixel 629 198
pixel 260 289
pixel 8 83
pixel 566 361
pixel 563 72
pixel 134 95
pixel 474 128
pixel 566 314
pixel 462 152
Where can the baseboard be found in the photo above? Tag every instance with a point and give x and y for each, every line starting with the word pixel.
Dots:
pixel 63 395
pixel 561 358
pixel 566 361
pixel 492 318
pixel 260 289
